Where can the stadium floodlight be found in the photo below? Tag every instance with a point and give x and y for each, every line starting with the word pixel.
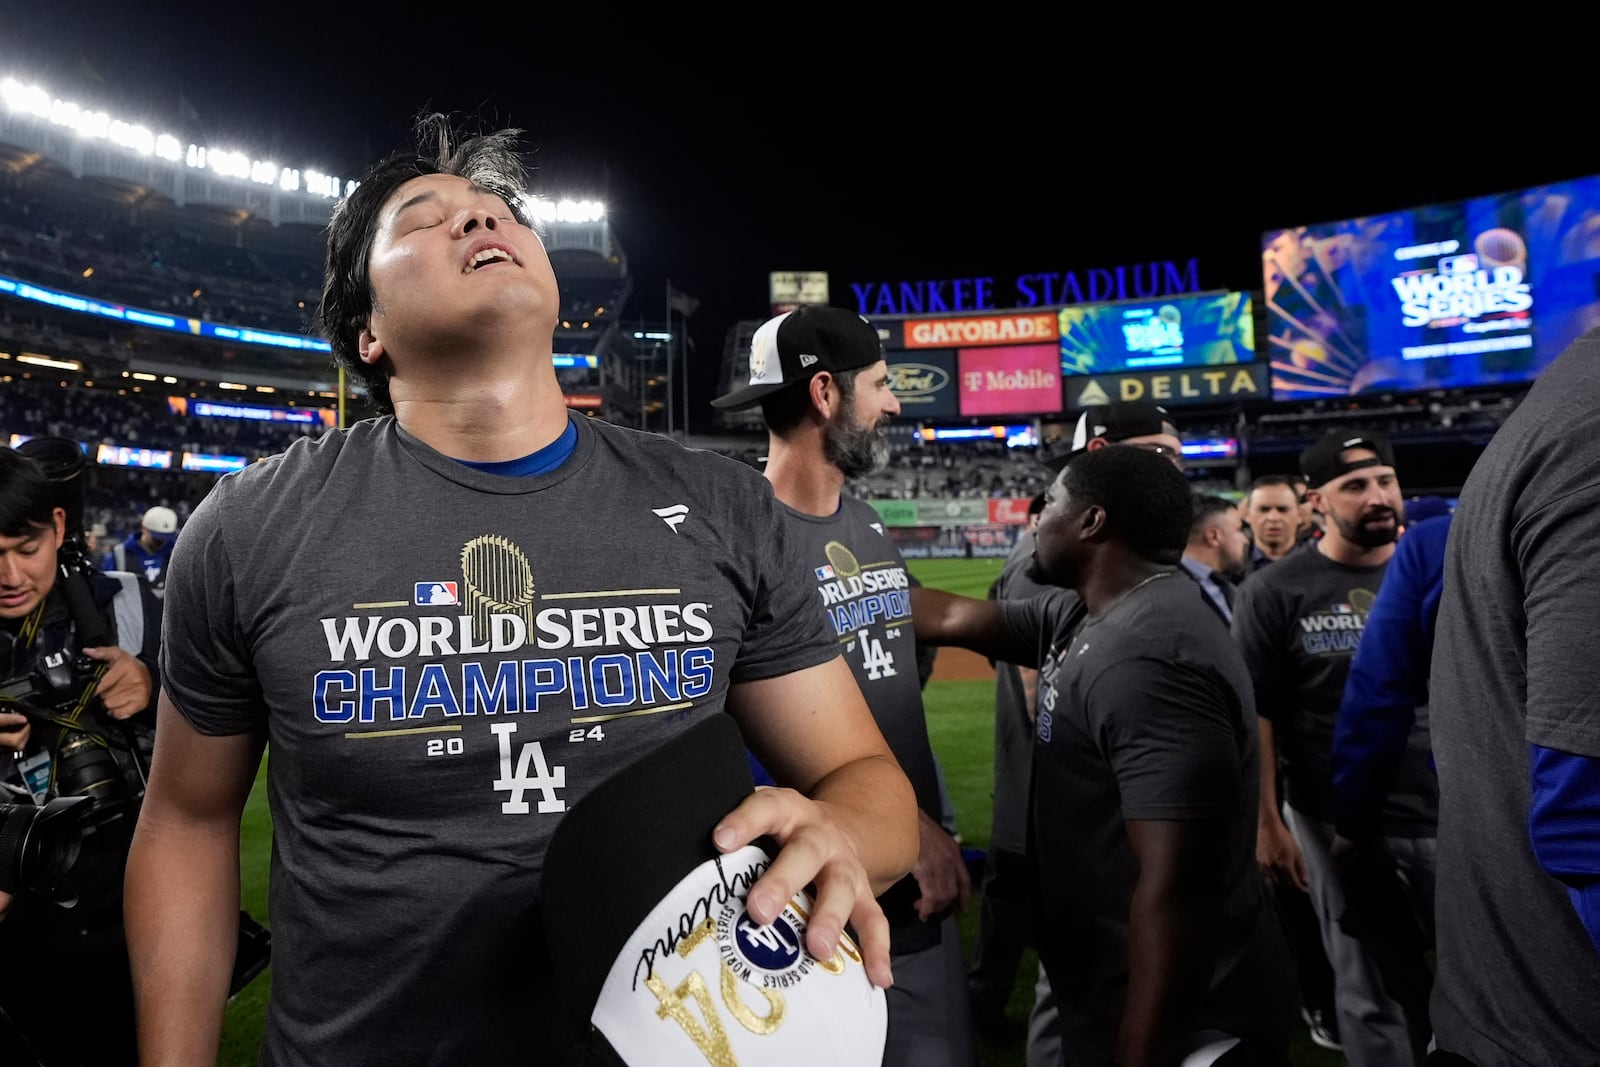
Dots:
pixel 545 210
pixel 32 100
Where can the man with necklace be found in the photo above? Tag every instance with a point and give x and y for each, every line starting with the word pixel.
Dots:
pixel 1156 930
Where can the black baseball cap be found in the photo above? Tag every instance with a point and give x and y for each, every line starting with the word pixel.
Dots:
pixel 1116 421
pixel 636 900
pixel 1323 462
pixel 790 348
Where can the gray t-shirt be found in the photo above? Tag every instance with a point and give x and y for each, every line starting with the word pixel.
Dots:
pixel 444 661
pixel 865 591
pixel 1514 665
pixel 1299 623
pixel 1145 713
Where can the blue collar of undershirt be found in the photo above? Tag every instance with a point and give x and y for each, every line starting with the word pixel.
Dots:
pixel 546 459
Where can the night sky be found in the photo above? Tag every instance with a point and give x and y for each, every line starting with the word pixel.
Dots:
pixel 732 145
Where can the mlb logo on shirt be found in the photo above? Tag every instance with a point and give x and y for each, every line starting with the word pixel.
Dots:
pixel 436 593
pixel 1344 609
pixel 824 572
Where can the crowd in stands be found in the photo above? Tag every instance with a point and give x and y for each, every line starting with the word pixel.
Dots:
pixel 116 497
pixel 155 264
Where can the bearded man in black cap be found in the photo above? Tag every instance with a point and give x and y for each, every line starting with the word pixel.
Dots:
pixel 820 377
pixel 1299 623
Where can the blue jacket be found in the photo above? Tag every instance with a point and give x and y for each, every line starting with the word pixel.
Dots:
pixel 136 559
pixel 1388 679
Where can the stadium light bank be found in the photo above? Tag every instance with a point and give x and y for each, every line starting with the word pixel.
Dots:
pixel 32 100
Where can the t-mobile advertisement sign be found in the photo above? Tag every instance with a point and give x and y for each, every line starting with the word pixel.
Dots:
pixel 1010 380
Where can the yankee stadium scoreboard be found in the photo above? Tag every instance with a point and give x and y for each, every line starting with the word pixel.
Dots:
pixel 1192 348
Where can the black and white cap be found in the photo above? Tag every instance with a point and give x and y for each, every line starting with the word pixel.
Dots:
pixel 646 924
pixel 790 348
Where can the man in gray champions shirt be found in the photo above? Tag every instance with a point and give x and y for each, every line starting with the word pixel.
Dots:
pixel 450 622
pixel 820 377
pixel 1155 926
pixel 1299 622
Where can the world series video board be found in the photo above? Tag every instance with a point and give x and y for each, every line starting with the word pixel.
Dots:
pixel 1195 330
pixel 1478 292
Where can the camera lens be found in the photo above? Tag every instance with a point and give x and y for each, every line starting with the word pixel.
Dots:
pixel 86 768
pixel 38 846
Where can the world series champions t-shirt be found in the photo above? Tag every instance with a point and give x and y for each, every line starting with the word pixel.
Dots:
pixel 864 590
pixel 1299 623
pixel 444 661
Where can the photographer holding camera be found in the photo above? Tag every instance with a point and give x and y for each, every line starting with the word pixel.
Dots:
pixel 78 650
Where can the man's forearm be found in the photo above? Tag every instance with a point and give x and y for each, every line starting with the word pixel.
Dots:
pixel 872 802
pixel 1271 813
pixel 182 918
pixel 941 618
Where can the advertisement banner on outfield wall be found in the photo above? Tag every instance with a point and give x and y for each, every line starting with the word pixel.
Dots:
pixel 896 512
pixel 989 541
pixel 1009 510
pixel 1197 385
pixel 951 512
pixel 928 542
pixel 924 383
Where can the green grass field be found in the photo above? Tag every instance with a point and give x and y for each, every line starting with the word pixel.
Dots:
pixel 960 725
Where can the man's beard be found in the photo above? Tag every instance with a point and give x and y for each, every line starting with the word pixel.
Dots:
pixel 855 449
pixel 1360 534
pixel 1041 573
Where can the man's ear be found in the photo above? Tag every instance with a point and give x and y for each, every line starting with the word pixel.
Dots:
pixel 824 392
pixel 1314 498
pixel 368 347
pixel 1092 524
pixel 1096 444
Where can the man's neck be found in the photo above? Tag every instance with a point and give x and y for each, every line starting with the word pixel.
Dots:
pixel 1206 557
pixel 483 418
pixel 801 477
pixel 1274 552
pixel 1112 577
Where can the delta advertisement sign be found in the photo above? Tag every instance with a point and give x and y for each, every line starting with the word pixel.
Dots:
pixel 976 365
pixel 1198 385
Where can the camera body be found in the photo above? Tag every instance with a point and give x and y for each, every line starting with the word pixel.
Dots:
pixel 75 750
pixel 75 753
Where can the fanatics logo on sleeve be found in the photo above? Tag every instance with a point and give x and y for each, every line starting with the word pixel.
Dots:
pixel 437 593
